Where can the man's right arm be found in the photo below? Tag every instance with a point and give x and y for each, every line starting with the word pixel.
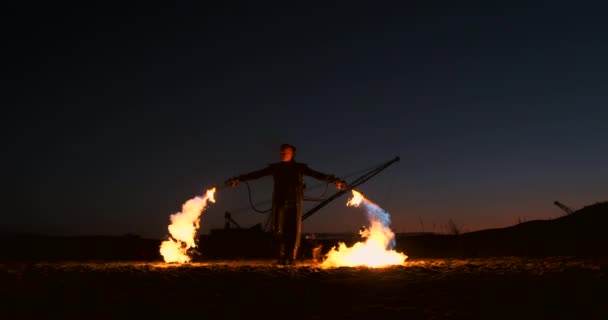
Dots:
pixel 250 176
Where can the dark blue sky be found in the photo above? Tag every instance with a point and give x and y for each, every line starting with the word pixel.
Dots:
pixel 116 115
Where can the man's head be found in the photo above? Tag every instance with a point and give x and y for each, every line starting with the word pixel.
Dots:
pixel 287 152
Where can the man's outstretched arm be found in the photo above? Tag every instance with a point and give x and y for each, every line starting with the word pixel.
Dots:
pixel 249 176
pixel 340 184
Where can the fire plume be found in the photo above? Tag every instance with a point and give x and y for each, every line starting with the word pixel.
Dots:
pixel 183 228
pixel 375 250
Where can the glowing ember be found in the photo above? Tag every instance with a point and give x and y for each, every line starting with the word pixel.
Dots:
pixel 183 229
pixel 375 251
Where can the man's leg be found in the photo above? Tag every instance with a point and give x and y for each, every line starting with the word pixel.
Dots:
pixel 291 232
pixel 278 222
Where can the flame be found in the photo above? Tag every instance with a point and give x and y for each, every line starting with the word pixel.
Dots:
pixel 375 251
pixel 183 229
pixel 356 199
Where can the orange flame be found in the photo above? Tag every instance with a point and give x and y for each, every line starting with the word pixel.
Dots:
pixel 183 229
pixel 373 252
pixel 356 199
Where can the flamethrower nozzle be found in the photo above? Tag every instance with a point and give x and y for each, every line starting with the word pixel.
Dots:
pixel 232 182
pixel 221 187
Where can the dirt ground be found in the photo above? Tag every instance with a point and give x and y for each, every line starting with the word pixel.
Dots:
pixel 488 288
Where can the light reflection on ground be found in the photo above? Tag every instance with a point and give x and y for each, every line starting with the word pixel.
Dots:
pixel 420 288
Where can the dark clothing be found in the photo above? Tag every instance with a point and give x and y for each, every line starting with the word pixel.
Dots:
pixel 287 196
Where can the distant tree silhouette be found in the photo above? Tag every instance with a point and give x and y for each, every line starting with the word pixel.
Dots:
pixel 453 228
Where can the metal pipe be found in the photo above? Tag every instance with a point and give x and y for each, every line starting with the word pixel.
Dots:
pixel 357 182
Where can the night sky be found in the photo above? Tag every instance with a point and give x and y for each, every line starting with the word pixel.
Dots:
pixel 115 115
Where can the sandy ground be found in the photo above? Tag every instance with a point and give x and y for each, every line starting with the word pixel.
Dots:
pixel 420 289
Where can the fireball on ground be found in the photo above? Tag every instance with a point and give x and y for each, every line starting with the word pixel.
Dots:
pixel 183 228
pixel 375 251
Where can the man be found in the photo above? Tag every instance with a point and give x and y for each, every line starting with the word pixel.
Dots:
pixel 287 197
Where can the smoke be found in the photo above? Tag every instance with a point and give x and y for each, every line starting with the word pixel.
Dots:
pixel 377 215
pixel 378 218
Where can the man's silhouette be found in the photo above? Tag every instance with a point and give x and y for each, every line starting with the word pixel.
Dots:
pixel 287 197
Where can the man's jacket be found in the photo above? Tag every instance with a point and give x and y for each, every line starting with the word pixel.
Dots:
pixel 288 180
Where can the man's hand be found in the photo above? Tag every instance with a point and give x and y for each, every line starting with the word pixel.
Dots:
pixel 341 185
pixel 232 182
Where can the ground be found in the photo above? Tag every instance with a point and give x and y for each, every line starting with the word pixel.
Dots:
pixel 504 287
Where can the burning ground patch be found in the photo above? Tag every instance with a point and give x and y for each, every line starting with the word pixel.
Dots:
pixel 375 250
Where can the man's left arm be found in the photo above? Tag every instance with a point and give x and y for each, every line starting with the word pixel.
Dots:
pixel 341 184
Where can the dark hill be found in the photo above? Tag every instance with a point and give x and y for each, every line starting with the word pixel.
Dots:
pixel 581 233
pixel 36 247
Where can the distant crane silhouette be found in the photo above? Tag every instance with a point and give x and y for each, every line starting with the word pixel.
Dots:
pixel 564 207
